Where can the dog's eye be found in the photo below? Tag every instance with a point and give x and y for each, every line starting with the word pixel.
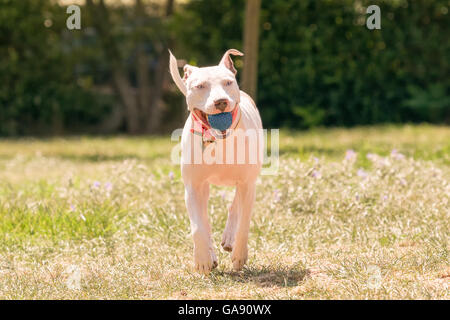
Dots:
pixel 228 83
pixel 200 86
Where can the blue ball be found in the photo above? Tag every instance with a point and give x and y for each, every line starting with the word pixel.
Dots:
pixel 221 121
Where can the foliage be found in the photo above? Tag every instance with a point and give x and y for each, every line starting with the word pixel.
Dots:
pixel 39 92
pixel 319 64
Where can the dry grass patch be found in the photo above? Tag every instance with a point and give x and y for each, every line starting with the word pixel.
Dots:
pixel 352 214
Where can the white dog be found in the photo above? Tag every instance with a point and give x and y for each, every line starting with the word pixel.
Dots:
pixel 211 91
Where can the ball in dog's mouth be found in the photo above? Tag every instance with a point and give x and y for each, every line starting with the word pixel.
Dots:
pixel 219 121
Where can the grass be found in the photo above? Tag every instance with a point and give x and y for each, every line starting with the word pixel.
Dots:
pixel 333 224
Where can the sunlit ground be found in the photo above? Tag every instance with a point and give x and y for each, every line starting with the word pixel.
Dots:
pixel 352 214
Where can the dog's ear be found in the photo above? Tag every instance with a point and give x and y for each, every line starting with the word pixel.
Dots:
pixel 187 72
pixel 173 66
pixel 227 62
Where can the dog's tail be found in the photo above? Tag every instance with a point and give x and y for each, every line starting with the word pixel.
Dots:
pixel 176 74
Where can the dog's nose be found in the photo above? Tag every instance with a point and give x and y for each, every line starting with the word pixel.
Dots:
pixel 221 104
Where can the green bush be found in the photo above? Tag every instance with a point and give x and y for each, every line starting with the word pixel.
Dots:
pixel 320 65
pixel 39 92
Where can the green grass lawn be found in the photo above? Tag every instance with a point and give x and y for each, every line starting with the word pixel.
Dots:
pixel 332 224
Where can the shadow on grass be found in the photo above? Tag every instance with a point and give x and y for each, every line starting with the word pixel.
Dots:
pixel 309 150
pixel 269 276
pixel 105 157
pixel 96 157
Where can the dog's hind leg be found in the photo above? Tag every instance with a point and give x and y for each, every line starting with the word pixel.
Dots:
pixel 246 198
pixel 230 228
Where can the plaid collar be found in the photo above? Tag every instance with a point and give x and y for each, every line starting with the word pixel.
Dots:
pixel 202 128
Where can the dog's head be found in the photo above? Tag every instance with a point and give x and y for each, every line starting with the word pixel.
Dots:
pixel 210 90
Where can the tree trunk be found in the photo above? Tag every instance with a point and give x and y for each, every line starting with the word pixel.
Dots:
pixel 142 67
pixel 101 22
pixel 143 106
pixel 251 41
pixel 156 103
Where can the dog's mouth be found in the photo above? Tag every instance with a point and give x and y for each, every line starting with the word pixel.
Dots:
pixel 219 121
pixel 202 115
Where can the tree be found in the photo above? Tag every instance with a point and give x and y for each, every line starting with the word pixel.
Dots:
pixel 142 102
pixel 251 41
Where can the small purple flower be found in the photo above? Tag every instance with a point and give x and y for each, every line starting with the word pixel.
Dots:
pixel 397 155
pixel 316 160
pixel 96 184
pixel 361 173
pixel 276 195
pixel 385 197
pixel 350 155
pixel 371 156
pixel 316 174
pixel 171 175
pixel 72 208
pixel 108 186
pixel 357 197
pixel 223 195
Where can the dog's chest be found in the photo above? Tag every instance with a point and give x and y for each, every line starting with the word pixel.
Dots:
pixel 229 175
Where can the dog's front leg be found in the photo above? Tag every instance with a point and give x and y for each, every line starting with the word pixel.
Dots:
pixel 196 197
pixel 246 198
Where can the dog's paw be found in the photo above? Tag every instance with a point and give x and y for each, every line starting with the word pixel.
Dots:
pixel 214 257
pixel 204 260
pixel 239 258
pixel 227 241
